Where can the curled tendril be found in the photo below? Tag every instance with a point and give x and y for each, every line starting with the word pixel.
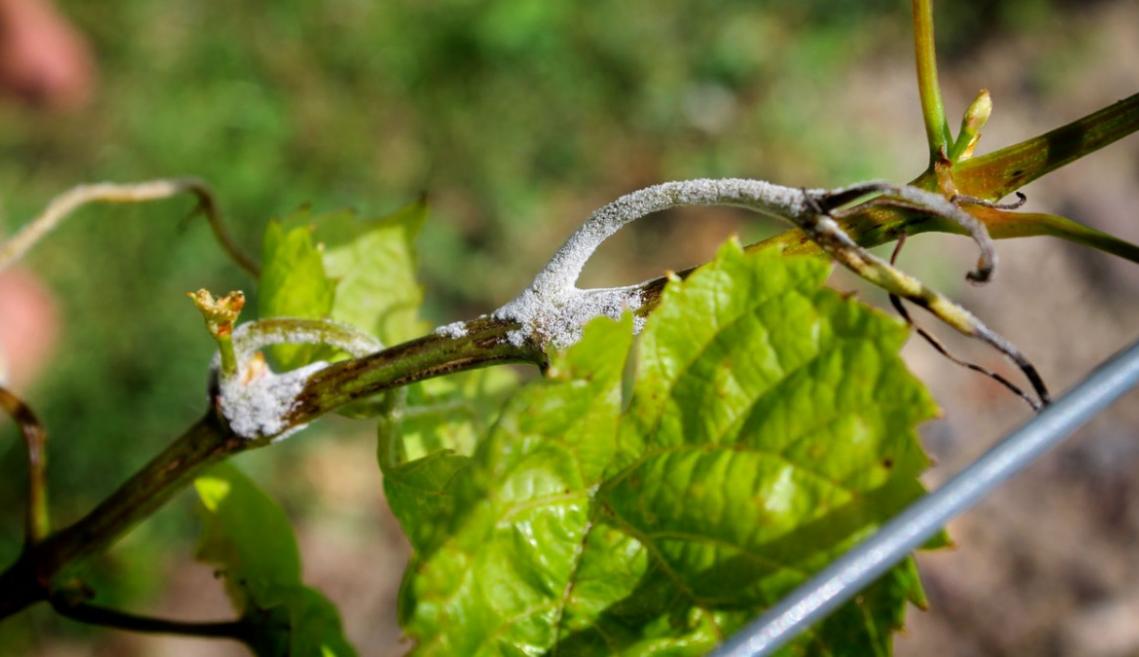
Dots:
pixel 254 399
pixel 553 310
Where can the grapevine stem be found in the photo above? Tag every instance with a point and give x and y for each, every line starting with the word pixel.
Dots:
pixel 932 110
pixel 97 615
pixel 38 520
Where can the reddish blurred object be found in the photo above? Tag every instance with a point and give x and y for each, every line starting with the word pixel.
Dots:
pixel 44 61
pixel 29 325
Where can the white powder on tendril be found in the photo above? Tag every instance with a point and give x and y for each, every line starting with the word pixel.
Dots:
pixel 554 310
pixel 256 400
pixel 252 336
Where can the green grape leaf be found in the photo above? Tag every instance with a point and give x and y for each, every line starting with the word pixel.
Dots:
pixel 429 437
pixel 248 538
pixel 528 481
pixel 373 263
pixel 294 283
pixel 336 265
pixel 768 426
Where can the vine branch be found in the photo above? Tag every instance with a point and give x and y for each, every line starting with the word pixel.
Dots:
pixel 37 516
pixel 997 174
pixel 552 310
pixel 544 315
pixel 212 439
pixel 932 110
pixel 97 615
pixel 30 578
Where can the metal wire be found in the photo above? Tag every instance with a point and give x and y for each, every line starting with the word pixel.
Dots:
pixel 863 564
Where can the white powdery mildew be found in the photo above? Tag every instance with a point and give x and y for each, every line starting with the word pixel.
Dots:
pixel 252 336
pixel 454 330
pixel 554 310
pixel 257 408
pixel 256 400
pixel 560 319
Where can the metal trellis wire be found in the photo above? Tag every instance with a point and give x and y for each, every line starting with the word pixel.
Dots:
pixel 864 563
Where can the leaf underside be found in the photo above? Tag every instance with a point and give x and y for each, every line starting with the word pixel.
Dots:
pixel 651 496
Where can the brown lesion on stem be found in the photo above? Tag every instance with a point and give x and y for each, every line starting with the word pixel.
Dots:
pixel 997 174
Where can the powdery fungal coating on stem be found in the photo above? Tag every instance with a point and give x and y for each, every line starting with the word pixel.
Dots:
pixel 554 310
pixel 257 408
pixel 454 330
pixel 256 400
pixel 560 319
pixel 565 267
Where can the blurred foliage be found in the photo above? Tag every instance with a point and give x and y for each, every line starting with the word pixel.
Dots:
pixel 509 114
pixel 261 566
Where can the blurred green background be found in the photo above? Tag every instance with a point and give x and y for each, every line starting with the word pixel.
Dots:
pixel 515 117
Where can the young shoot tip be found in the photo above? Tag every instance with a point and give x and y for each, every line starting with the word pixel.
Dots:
pixel 220 316
pixel 221 313
pixel 974 120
